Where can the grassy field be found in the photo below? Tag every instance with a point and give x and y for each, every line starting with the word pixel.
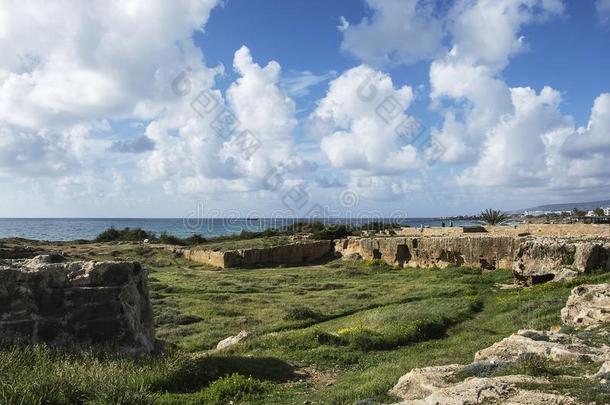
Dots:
pixel 330 334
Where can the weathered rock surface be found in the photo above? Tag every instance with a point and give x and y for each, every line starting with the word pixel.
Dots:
pixel 232 340
pixel 431 386
pixel 46 300
pixel 289 254
pixel 481 251
pixel 552 346
pixel 587 305
pixel 541 260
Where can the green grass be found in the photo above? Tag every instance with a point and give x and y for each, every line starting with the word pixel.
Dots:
pixel 333 333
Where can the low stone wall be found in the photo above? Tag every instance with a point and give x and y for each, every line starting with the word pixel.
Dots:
pixel 46 300
pixel 483 251
pixel 214 258
pixel 289 254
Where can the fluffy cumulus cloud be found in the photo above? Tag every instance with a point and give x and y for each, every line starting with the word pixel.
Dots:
pixel 518 150
pixel 595 138
pixel 360 122
pixel 509 136
pixel 232 145
pixel 68 68
pixel 399 31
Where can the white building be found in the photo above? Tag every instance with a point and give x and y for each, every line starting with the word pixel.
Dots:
pixel 591 213
pixel 607 211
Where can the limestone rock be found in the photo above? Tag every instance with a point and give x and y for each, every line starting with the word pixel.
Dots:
pixel 553 346
pixel 421 382
pixel 46 299
pixel 232 340
pixel 541 260
pixel 587 305
pixel 604 371
pixel 489 390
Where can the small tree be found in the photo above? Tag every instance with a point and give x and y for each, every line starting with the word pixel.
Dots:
pixel 599 212
pixel 578 213
pixel 493 217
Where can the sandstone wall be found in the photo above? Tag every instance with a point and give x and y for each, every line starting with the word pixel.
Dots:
pixel 212 257
pixel 484 251
pixel 289 254
pixel 46 300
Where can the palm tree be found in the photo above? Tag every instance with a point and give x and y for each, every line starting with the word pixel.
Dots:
pixel 493 217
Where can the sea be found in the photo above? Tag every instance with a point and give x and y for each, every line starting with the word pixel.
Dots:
pixel 67 229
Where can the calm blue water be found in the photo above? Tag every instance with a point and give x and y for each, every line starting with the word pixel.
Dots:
pixel 62 229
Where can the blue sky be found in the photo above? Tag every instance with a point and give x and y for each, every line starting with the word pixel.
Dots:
pixel 511 100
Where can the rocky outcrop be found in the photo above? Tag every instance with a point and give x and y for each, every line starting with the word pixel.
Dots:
pixel 587 305
pixel 47 300
pixel 541 260
pixel 478 391
pixel 481 251
pixel 288 254
pixel 547 345
pixel 483 381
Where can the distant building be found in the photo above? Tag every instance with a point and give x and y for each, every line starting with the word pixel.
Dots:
pixel 591 214
pixel 607 211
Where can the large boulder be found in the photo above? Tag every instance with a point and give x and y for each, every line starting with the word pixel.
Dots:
pixel 587 305
pixel 48 300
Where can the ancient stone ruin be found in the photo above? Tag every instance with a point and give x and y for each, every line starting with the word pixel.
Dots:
pixel 48 300
pixel 287 254
pixel 532 259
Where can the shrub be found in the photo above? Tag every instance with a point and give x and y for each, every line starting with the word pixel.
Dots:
pixel 302 314
pixel 126 234
pixel 568 259
pixel 332 232
pixel 235 388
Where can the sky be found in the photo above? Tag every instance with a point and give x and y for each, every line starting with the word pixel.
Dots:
pixel 252 108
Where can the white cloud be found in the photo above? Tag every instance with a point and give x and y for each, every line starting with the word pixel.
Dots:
pixel 603 10
pixel 519 150
pixel 67 66
pixel 200 160
pixel 486 32
pixel 358 120
pixel 595 138
pixel 298 84
pixel 469 76
pixel 399 31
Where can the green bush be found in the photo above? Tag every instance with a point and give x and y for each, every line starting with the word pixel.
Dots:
pixel 332 232
pixel 127 234
pixel 568 259
pixel 235 388
pixel 138 235
pixel 302 314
